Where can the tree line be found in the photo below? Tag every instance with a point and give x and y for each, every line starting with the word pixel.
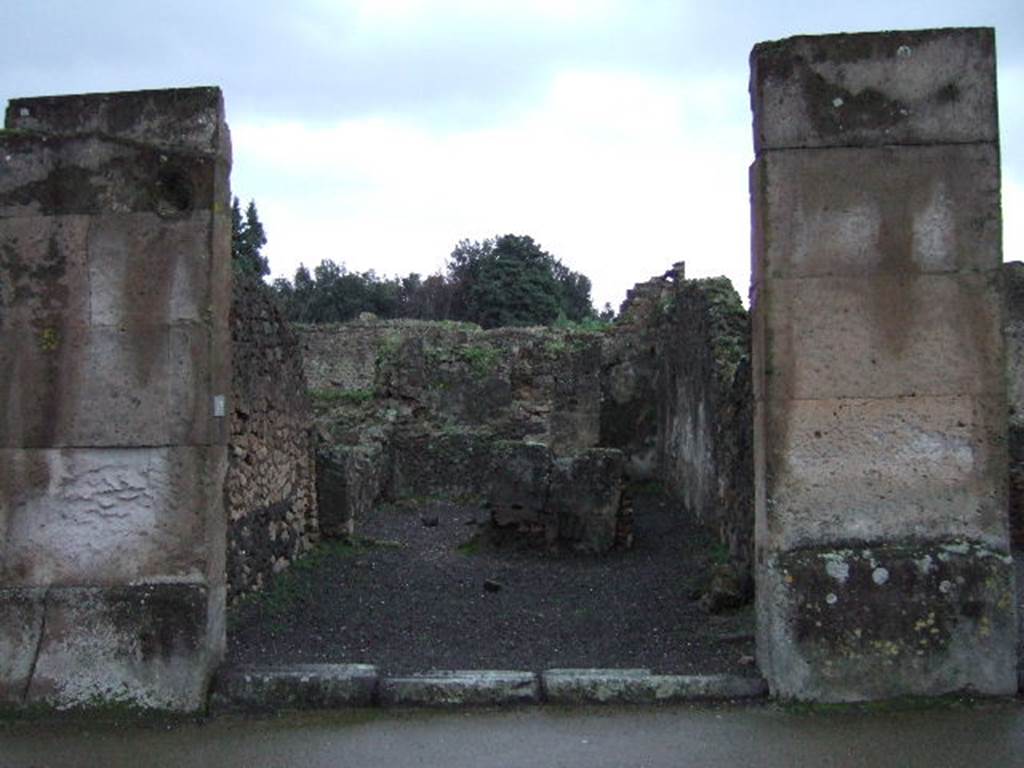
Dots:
pixel 504 280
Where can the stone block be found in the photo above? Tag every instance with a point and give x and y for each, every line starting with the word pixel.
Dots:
pixel 143 386
pixel 21 626
pixel 117 388
pixel 220 277
pixel 460 688
pixel 584 498
pixel 879 469
pixel 893 619
pixel 48 175
pixel 145 646
pixel 1013 273
pixel 879 211
pixel 190 410
pixel 906 87
pixel 517 486
pixel 639 686
pixel 295 686
pixel 888 335
pixel 451 464
pixel 45 285
pixel 348 484
pixel 145 269
pixel 89 516
pixel 172 118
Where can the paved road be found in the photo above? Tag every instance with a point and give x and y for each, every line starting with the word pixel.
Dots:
pixel 979 736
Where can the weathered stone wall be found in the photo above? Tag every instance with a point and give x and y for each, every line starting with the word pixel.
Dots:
pixel 677 400
pixel 883 563
pixel 517 383
pixel 630 361
pixel 114 371
pixel 509 417
pixel 270 485
pixel 705 420
pixel 572 501
pixel 344 356
pixel 1013 273
pixel 412 408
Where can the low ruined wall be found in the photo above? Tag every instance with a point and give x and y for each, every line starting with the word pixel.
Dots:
pixel 344 356
pixel 270 484
pixel 537 384
pixel 532 493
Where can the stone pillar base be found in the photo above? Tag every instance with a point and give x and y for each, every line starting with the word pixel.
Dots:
pixel 875 622
pixel 150 646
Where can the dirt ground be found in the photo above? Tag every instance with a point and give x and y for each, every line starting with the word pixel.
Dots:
pixel 424 590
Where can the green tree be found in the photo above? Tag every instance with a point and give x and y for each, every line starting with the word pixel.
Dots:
pixel 506 280
pixel 511 280
pixel 247 240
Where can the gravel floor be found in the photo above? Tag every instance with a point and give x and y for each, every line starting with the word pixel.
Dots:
pixel 429 594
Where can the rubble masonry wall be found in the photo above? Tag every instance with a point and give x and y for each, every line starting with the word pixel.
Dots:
pixel 270 487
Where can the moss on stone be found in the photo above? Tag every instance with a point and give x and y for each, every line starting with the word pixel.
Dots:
pixel 483 360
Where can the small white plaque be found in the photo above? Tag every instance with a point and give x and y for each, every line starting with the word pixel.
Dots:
pixel 218 405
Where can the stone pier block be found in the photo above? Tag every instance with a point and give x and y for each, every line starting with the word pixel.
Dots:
pixel 150 646
pixel 584 497
pixel 108 516
pixel 114 369
pixel 848 469
pixel 887 335
pixel 879 369
pixel 878 210
pixel 931 86
pixel 854 623
pixel 348 484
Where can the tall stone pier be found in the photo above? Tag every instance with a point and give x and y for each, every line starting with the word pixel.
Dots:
pixel 114 365
pixel 883 563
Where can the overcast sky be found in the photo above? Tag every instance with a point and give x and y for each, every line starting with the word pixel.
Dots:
pixel 378 133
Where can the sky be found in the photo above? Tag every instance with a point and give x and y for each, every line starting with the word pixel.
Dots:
pixel 379 133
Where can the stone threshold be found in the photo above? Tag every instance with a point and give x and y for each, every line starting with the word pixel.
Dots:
pixel 331 686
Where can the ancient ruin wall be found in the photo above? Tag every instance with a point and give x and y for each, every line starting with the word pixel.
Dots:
pixel 416 409
pixel 346 359
pixel 677 400
pixel 630 360
pixel 517 383
pixel 114 376
pixel 705 413
pixel 883 563
pixel 270 488
pixel 508 416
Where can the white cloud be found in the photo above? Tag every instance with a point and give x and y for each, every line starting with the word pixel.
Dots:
pixel 617 175
pixel 563 10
